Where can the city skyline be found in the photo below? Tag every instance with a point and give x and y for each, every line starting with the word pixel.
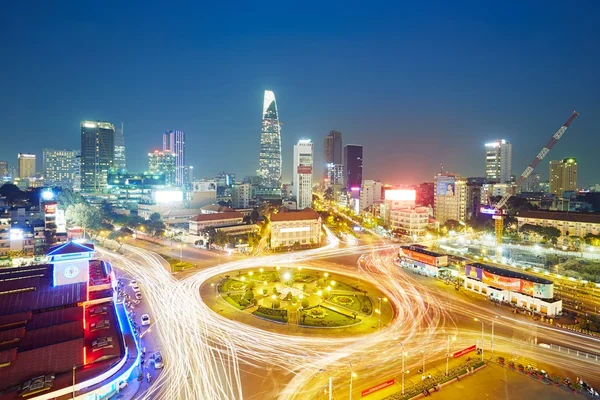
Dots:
pixel 534 88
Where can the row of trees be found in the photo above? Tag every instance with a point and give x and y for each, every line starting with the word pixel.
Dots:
pixel 548 234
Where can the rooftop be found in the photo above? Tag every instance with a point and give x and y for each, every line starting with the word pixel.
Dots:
pixel 302 215
pixel 217 216
pixel 511 274
pixel 561 216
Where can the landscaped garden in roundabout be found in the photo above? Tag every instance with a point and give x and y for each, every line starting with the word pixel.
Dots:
pixel 304 297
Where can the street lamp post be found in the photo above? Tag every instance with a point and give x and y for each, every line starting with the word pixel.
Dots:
pixel 493 321
pixel 477 320
pixel 352 375
pixel 448 353
pixel 423 355
pixel 330 388
pixel 402 346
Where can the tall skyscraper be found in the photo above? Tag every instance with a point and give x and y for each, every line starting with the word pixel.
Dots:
pixel 498 161
pixel 120 159
pixel 303 165
pixel 163 162
pixel 174 142
pixel 353 166
pixel 3 168
pixel 333 151
pixel 97 154
pixel 26 165
pixel 563 176
pixel 269 164
pixel 61 167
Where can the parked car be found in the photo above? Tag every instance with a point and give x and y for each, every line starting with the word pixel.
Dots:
pixel 544 345
pixel 157 360
pixel 138 295
pixel 145 319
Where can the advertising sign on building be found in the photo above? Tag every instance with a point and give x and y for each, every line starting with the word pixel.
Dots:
pixel 508 283
pixel 205 186
pixel 304 169
pixel 413 255
pixel 445 185
pixel 50 207
pixel 464 351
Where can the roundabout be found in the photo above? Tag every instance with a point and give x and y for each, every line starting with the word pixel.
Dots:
pixel 313 300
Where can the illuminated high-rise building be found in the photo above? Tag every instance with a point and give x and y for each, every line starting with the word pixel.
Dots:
pixel 97 154
pixel 269 164
pixel 119 163
pixel 563 176
pixel 353 166
pixel 174 142
pixel 333 152
pixel 3 169
pixel 303 164
pixel 26 165
pixel 450 198
pixel 61 168
pixel 163 162
pixel 498 161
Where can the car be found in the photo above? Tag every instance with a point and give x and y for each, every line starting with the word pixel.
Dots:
pixel 136 288
pixel 138 295
pixel 157 360
pixel 145 319
pixel 544 345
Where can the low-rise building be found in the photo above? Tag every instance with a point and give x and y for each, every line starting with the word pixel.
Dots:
pixel 291 227
pixel 569 224
pixel 522 290
pixel 414 220
pixel 200 222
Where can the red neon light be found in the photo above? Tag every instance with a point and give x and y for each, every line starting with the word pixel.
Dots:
pixel 84 355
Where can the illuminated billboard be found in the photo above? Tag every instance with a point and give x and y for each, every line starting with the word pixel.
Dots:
pixel 50 207
pixel 519 285
pixel 304 169
pixel 205 186
pixel 16 234
pixel 168 196
pixel 401 195
pixel 445 186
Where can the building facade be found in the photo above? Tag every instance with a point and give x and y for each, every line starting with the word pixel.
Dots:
pixel 333 152
pixel 241 195
pixel 498 161
pixel 26 165
pixel 269 163
pixel 370 192
pixel 3 169
pixel 119 163
pixel 61 167
pixel 303 171
pixel 174 142
pixel 563 176
pixel 97 154
pixel 163 163
pixel 202 221
pixel 450 198
pixel 353 166
pixel 413 220
pixel 295 227
pixel 569 224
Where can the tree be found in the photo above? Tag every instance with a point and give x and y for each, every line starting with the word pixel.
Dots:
pixel 221 238
pixel 452 225
pixel 254 216
pixel 83 215
pixel 249 295
pixel 305 303
pixel 328 194
pixel 67 197
pixel 155 217
pixel 592 240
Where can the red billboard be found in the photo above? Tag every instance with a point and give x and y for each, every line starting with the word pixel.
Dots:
pixel 50 208
pixel 502 282
pixel 464 351
pixel 414 255
pixel 375 388
pixel 303 169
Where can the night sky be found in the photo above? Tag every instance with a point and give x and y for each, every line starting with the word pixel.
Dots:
pixel 417 84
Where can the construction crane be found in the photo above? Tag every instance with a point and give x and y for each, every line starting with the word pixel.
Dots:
pixel 498 212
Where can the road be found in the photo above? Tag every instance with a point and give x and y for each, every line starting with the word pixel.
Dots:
pixel 210 356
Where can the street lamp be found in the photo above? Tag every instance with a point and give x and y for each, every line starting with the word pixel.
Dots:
pixel 402 347
pixel 352 375
pixel 493 321
pixel 448 353
pixel 475 319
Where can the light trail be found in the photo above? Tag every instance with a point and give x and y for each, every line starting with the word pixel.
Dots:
pixel 205 351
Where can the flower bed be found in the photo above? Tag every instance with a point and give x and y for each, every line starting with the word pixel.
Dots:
pixel 330 318
pixel 272 314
